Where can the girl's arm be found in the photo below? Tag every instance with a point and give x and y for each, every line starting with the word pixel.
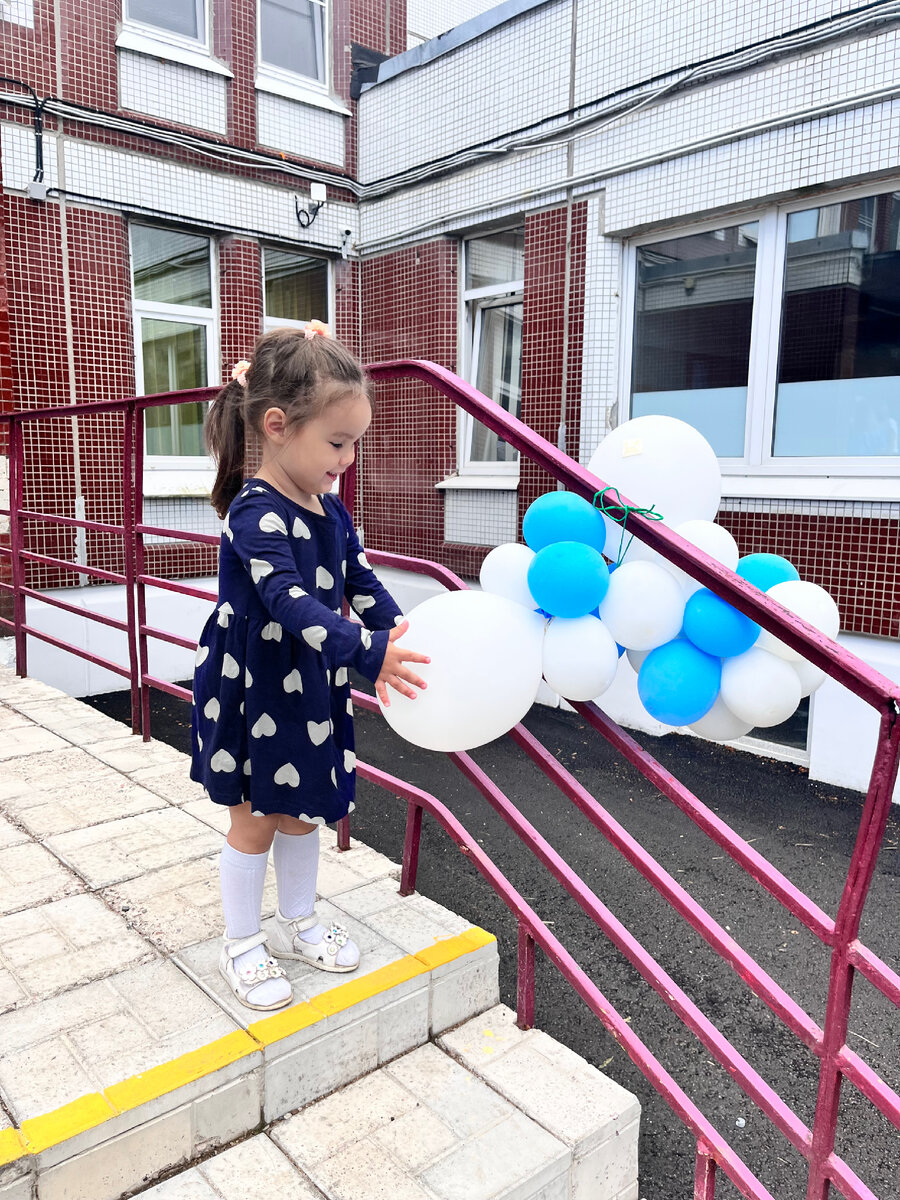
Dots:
pixel 261 540
pixel 368 598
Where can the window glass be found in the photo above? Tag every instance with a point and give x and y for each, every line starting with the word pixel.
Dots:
pixel 174 357
pixel 170 268
pixel 839 362
pixel 498 375
pixel 177 16
pixel 691 350
pixel 291 34
pixel 296 287
pixel 495 260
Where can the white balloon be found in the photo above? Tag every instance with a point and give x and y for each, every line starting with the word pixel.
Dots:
pixel 806 600
pixel 580 657
pixel 712 539
pixel 484 672
pixel 660 461
pixel 636 658
pixel 810 677
pixel 643 607
pixel 720 724
pixel 504 572
pixel 760 687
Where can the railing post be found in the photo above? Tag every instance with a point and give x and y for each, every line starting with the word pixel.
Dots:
pixel 411 849
pixel 525 980
pixel 343 833
pixel 704 1173
pixel 128 522
pixel 16 533
pixel 140 568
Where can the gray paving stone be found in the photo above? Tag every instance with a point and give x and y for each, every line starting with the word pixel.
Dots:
pixel 117 850
pixel 10 835
pixel 216 816
pixel 465 1104
pixel 26 740
pixel 29 875
pixel 92 1036
pixel 169 780
pixel 47 950
pixel 60 806
pixel 10 719
pixel 180 905
pixel 256 1170
pixel 133 754
pixel 59 768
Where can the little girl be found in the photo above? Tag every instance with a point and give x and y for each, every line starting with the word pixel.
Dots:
pixel 272 728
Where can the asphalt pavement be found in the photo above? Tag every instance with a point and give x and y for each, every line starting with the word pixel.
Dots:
pixel 806 829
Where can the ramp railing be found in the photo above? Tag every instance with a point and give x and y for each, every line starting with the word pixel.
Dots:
pixel 837 1062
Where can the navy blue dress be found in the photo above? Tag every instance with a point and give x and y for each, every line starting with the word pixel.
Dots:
pixel 272 720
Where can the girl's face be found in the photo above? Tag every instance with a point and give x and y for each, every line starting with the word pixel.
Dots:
pixel 309 459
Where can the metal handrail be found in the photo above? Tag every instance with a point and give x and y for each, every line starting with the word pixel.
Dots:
pixel 827 1042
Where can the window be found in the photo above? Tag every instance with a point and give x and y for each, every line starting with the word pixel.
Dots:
pixel 178 18
pixel 174 323
pixel 292 39
pixel 778 338
pixel 494 281
pixel 295 289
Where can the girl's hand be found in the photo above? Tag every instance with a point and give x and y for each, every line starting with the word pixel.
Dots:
pixel 393 671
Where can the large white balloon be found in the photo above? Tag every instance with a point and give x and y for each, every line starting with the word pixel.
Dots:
pixel 712 539
pixel 720 724
pixel 810 677
pixel 505 573
pixel 580 657
pixel 484 672
pixel 760 687
pixel 644 606
pixel 806 600
pixel 660 461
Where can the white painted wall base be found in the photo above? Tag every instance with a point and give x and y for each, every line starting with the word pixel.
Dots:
pixel 843 730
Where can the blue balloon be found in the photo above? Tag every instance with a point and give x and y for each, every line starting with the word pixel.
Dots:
pixel 678 683
pixel 562 517
pixel 568 579
pixel 765 570
pixel 716 626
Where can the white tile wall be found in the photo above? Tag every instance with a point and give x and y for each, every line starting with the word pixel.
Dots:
pixel 480 518
pixel 301 129
pixel 172 92
pixel 599 361
pixel 426 19
pixel 19 12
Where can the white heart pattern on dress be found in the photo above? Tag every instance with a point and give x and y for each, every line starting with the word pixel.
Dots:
pixel 349 707
pixel 344 568
pixel 222 761
pixel 324 579
pixel 365 636
pixel 271 632
pixel 201 656
pixel 296 592
pixel 270 522
pixel 225 611
pixel 361 603
pixel 247 767
pixel 399 619
pixel 264 727
pixel 248 678
pixel 287 774
pixel 363 561
pixel 301 529
pixel 226 529
pixel 314 635
pixel 211 709
pixel 293 682
pixel 259 568
pixel 341 676
pixel 349 761
pixel 318 731
pixel 230 667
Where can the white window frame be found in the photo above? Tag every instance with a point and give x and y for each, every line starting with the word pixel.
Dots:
pixel 171 474
pixel 283 322
pixel 759 472
pixel 158 36
pixel 497 474
pixel 291 84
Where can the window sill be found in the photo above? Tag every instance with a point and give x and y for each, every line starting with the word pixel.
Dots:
pixel 290 89
pixel 479 483
pixel 810 487
pixel 144 43
pixel 190 482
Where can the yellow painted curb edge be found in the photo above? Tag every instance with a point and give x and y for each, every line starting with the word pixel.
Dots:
pixel 61 1124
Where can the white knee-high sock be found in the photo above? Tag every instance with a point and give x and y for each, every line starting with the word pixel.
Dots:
pixel 296 869
pixel 242 878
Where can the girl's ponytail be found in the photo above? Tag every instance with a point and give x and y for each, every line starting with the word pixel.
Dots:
pixel 225 434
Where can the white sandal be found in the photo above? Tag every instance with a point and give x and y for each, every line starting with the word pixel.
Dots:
pixel 245 981
pixel 286 941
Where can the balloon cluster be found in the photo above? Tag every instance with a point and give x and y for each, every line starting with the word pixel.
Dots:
pixel 580 592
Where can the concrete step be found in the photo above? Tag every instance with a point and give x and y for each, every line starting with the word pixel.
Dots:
pixel 487 1113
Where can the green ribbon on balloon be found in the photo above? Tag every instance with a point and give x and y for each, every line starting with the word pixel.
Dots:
pixel 619 512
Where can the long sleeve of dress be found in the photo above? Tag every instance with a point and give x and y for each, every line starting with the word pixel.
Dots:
pixel 368 598
pixel 261 540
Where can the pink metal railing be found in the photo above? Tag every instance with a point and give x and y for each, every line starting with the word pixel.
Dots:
pixel 848 955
